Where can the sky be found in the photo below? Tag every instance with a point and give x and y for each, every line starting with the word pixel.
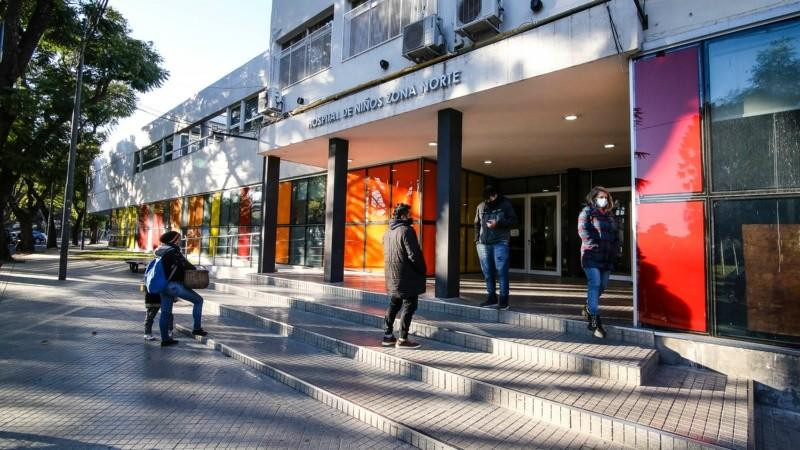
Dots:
pixel 200 41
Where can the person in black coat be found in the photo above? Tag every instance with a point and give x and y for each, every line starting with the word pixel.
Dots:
pixel 404 269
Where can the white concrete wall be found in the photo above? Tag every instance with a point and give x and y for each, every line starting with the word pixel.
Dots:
pixel 228 164
pixel 289 15
pixel 677 21
pixel 577 39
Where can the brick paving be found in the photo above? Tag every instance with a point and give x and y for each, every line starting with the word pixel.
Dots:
pixel 76 373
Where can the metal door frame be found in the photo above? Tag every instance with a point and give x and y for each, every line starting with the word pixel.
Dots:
pixel 526 226
pixel 631 230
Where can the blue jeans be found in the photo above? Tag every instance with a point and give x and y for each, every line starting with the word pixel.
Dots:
pixel 176 289
pixel 597 282
pixel 494 259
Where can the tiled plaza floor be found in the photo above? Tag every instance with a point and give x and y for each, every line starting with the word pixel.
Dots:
pixel 76 372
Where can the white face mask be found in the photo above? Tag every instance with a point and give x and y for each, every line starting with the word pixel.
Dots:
pixel 601 202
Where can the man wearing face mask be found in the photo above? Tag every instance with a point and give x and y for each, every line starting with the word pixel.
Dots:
pixel 600 248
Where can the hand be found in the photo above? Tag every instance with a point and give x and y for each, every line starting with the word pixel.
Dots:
pixel 491 223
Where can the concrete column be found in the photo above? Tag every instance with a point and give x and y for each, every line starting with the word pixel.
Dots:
pixel 335 196
pixel 269 213
pixel 448 203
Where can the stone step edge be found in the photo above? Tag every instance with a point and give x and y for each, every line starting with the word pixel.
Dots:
pixel 608 428
pixel 618 333
pixel 633 374
pixel 386 425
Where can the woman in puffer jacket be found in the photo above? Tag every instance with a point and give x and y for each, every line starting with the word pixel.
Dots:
pixel 600 249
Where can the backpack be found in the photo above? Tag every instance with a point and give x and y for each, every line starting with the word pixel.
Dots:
pixel 155 280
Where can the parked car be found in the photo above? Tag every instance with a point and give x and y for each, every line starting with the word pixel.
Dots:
pixel 39 238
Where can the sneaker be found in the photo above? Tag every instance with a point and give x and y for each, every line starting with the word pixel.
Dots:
pixel 199 332
pixel 405 343
pixel 149 337
pixel 389 340
pixel 169 342
pixel 489 303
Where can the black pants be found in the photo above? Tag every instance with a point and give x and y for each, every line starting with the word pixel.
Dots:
pixel 150 317
pixel 409 305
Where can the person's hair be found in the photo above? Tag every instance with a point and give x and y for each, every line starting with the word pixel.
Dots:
pixel 168 237
pixel 593 193
pixel 400 210
pixel 489 191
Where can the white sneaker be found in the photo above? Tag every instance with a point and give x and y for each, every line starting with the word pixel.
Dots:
pixel 149 337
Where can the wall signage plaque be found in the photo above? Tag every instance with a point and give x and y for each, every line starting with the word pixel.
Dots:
pixel 432 84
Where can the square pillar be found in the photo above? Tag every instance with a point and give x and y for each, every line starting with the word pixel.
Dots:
pixel 269 213
pixel 448 203
pixel 573 197
pixel 335 197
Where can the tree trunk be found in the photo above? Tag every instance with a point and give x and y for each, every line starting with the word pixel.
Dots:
pixel 5 194
pixel 51 236
pixel 93 235
pixel 26 244
pixel 76 229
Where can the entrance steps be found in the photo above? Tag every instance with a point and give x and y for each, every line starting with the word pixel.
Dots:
pixel 478 380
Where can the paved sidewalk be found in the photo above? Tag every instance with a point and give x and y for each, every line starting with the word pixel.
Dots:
pixel 75 372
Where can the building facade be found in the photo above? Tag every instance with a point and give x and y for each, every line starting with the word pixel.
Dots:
pixel 686 110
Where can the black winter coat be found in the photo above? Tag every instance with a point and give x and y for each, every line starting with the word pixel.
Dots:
pixel 175 264
pixel 404 266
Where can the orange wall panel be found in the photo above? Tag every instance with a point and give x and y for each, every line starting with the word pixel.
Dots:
pixel 284 202
pixel 354 236
pixel 429 190
pixel 356 192
pixel 405 186
pixel 429 247
pixel 282 245
pixel 378 202
pixel 175 214
pixel 373 259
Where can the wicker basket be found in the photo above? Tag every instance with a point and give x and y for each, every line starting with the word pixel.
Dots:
pixel 195 279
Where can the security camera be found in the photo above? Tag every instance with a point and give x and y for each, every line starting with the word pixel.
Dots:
pixel 536 5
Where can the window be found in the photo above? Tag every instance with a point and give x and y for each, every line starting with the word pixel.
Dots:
pixel 236 116
pixel 136 162
pixel 168 147
pixel 252 120
pixel 754 99
pixel 305 54
pixel 151 156
pixel 372 23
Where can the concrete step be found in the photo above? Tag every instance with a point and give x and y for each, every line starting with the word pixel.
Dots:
pixel 407 409
pixel 662 414
pixel 628 335
pixel 565 352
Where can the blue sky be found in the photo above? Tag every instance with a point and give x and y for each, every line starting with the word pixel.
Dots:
pixel 200 41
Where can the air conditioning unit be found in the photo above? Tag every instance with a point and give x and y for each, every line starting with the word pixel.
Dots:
pixel 475 17
pixel 270 102
pixel 423 40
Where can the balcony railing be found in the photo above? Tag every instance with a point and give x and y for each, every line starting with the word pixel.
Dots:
pixel 306 57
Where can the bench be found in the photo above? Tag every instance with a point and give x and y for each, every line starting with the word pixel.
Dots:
pixel 135 263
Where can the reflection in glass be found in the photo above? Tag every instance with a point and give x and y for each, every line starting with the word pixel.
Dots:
pixel 315 239
pixel 516 242
pixel 755 108
pixel 299 195
pixel 543 233
pixel 316 200
pixel 757 268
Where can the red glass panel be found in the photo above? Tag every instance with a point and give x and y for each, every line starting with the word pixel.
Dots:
pixel 429 190
pixel 671 265
pixel 373 259
pixel 245 204
pixel 405 186
pixel 284 202
pixel 378 194
pixel 282 245
pixel 157 225
pixel 356 191
pixel 667 123
pixel 144 227
pixel 429 247
pixel 354 236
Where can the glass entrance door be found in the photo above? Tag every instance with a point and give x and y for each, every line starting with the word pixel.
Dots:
pixel 622 197
pixel 535 244
pixel 543 231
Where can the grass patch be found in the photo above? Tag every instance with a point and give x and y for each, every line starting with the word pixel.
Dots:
pixel 118 255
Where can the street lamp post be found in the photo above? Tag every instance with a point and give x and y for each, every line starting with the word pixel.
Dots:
pixel 88 28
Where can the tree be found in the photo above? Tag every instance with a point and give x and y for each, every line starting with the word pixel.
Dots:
pixel 116 68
